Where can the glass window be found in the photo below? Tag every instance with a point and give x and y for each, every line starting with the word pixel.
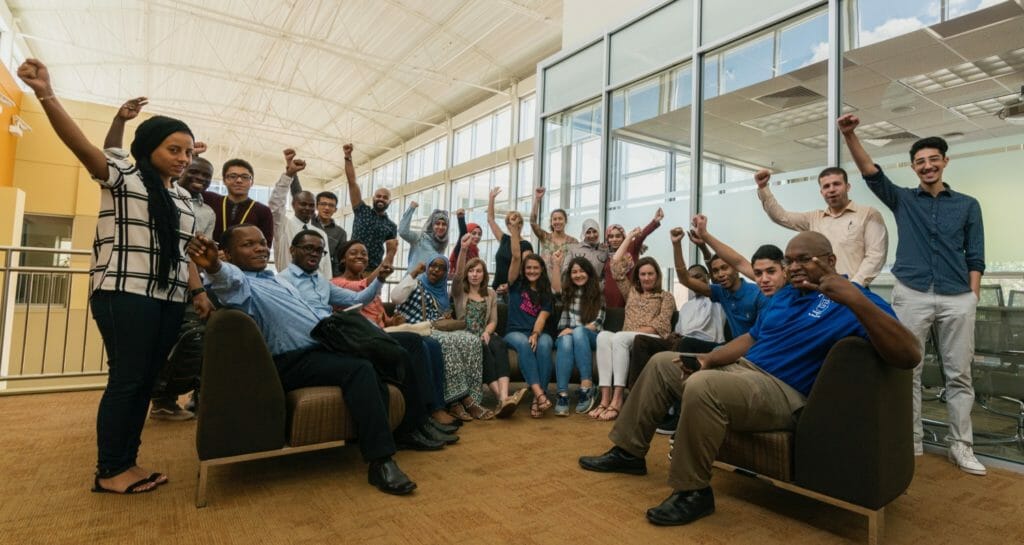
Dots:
pixel 573 162
pixel 527 117
pixel 463 145
pixel 426 160
pixel 803 44
pixel 44 288
pixel 748 64
pixel 879 20
pixel 471 193
pixel 652 42
pixel 483 136
pixel 575 78
pixel 721 19
pixel 388 175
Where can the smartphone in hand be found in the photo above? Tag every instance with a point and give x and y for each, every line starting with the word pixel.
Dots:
pixel 689 362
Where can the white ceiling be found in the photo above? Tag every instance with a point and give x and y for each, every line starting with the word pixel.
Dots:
pixel 890 85
pixel 252 77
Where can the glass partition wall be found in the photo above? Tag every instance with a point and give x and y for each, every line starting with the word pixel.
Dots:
pixel 760 87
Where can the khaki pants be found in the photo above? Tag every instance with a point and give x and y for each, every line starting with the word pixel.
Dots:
pixel 739 396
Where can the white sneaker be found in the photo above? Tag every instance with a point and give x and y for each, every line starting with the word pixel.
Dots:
pixel 962 455
pixel 918 448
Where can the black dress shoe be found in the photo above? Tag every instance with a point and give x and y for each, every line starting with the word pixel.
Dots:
pixel 443 428
pixel 455 423
pixel 615 460
pixel 683 507
pixel 386 476
pixel 432 433
pixel 415 440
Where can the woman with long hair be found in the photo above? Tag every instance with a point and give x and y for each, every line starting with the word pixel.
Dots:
pixel 530 303
pixel 422 296
pixel 476 302
pixel 648 312
pixel 578 327
pixel 555 240
pixel 140 276
pixel 353 259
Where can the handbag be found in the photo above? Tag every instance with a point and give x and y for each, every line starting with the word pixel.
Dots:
pixel 441 324
pixel 349 332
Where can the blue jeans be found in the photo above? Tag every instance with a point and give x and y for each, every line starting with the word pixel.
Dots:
pixel 138 333
pixel 535 366
pixel 577 347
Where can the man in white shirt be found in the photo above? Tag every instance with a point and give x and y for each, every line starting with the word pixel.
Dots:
pixel 285 227
pixel 856 231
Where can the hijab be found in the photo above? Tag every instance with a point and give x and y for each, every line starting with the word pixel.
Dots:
pixel 439 244
pixel 589 224
pixel 438 290
pixel 471 252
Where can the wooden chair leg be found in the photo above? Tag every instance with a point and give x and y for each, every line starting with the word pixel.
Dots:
pixel 201 485
pixel 876 527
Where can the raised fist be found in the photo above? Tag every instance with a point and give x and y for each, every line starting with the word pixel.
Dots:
pixel 130 109
pixel 677 234
pixel 761 177
pixel 847 123
pixel 292 165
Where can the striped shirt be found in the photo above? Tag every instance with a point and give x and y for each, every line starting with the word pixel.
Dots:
pixel 126 248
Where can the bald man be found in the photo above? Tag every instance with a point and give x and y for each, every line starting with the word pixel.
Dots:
pixel 371 225
pixel 756 382
pixel 304 207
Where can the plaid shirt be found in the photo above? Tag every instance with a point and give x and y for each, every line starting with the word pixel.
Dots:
pixel 126 248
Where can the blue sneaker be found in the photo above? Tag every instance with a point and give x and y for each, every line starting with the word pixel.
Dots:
pixel 562 405
pixel 585 400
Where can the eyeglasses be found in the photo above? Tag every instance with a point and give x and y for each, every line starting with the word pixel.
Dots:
pixel 801 260
pixel 244 177
pixel 312 249
pixel 327 204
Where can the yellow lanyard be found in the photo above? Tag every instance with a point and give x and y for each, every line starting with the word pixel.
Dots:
pixel 224 213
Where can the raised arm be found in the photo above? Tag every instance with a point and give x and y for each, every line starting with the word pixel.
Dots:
pixel 460 216
pixel 726 252
pixel 797 221
pixel 34 73
pixel 278 197
pixel 682 274
pixel 405 225
pixel 355 196
pixel 493 223
pixel 638 242
pixel 460 264
pixel 404 289
pixel 542 235
pixel 556 279
pixel 128 111
pixel 848 125
pixel 894 342
pixel 514 227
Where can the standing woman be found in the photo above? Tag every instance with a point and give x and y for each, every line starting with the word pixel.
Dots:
pixel 422 296
pixel 648 312
pixel 139 274
pixel 590 246
pixel 472 250
pixel 503 256
pixel 477 303
pixel 578 327
pixel 614 237
pixel 432 240
pixel 557 239
pixel 529 305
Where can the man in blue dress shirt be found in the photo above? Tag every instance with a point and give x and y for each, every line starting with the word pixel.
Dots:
pixel 756 382
pixel 286 321
pixel 939 262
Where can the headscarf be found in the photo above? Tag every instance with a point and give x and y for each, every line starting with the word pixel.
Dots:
pixel 471 252
pixel 439 244
pixel 587 225
pixel 438 290
pixel 163 213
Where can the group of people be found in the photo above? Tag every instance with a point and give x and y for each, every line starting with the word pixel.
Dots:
pixel 164 241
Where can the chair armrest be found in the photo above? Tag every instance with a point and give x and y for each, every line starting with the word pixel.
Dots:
pixel 854 439
pixel 242 402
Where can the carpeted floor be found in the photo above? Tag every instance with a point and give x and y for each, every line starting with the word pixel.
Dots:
pixel 513 481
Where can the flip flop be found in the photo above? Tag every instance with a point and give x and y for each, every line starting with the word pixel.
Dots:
pixel 597 412
pixel 156 478
pixel 132 489
pixel 609 414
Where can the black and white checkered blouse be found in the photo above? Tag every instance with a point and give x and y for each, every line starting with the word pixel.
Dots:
pixel 126 248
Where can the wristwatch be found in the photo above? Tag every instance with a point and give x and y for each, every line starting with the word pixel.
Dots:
pixel 197 291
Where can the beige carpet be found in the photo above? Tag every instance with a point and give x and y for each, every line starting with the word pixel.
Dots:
pixel 511 481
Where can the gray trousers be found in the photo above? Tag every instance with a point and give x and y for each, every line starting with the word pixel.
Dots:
pixel 953 317
pixel 739 396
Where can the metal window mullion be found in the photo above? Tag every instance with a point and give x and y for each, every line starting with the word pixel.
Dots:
pixel 696 110
pixel 835 73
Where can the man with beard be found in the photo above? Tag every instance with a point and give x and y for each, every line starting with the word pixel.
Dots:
pixel 756 382
pixel 856 231
pixel 304 207
pixel 371 226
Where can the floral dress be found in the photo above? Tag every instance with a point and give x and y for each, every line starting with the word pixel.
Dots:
pixel 476 316
pixel 462 350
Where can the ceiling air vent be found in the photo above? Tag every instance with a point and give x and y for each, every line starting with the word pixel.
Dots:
pixel 788 98
pixel 887 139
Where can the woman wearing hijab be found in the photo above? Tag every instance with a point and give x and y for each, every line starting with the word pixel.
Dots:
pixel 139 274
pixel 472 250
pixel 589 247
pixel 422 296
pixel 433 239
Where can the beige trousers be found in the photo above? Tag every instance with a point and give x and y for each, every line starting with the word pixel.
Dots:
pixel 739 396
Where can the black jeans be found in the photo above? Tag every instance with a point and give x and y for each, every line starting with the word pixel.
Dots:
pixel 495 359
pixel 363 391
pixel 138 333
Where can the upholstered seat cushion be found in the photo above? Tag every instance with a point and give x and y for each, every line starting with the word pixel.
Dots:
pixel 767 453
pixel 318 414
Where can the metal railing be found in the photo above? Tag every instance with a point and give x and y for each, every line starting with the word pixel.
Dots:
pixel 48 341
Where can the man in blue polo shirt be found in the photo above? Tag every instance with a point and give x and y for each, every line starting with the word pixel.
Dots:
pixel 742 301
pixel 755 382
pixel 940 258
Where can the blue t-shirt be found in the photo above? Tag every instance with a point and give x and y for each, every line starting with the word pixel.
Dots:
pixel 523 309
pixel 742 307
pixel 795 332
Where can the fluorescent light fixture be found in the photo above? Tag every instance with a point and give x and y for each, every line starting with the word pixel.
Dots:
pixel 1014 113
pixel 988 106
pixel 779 121
pixel 993 66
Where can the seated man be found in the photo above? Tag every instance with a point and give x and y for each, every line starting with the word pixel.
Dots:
pixel 286 321
pixel 759 392
pixel 415 432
